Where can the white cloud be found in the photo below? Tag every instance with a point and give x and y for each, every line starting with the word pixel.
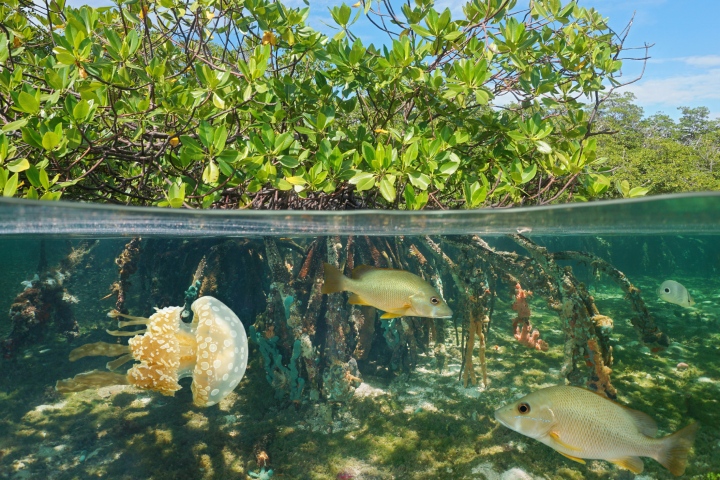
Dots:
pixel 678 89
pixel 703 61
pixel 699 61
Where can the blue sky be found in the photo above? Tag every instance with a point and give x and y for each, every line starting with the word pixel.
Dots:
pixel 685 66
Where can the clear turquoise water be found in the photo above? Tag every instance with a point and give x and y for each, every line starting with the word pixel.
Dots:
pixel 408 415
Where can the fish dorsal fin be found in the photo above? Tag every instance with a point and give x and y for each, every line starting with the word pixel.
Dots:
pixel 355 299
pixel 634 464
pixel 556 436
pixel 644 423
pixel 361 270
pixel 575 459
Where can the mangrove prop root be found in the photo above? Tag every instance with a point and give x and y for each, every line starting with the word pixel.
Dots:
pixel 127 263
pixel 307 263
pixel 46 301
pixel 581 341
pixel 643 322
pixel 476 326
pixel 364 318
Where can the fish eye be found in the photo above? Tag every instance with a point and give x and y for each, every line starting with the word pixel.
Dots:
pixel 667 290
pixel 434 300
pixel 524 408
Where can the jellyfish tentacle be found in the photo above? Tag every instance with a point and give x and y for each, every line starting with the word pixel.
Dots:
pixel 115 364
pixel 121 333
pixel 139 321
pixel 99 349
pixel 116 314
pixel 87 380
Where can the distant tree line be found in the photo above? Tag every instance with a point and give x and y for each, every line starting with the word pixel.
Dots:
pixel 656 152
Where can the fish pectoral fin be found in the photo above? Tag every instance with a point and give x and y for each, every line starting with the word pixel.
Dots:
pixel 388 315
pixel 356 299
pixel 579 460
pixel 555 436
pixel 634 464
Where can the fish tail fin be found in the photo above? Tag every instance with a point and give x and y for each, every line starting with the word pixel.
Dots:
pixel 334 279
pixel 674 451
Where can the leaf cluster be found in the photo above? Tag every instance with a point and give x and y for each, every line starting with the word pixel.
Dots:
pixel 239 103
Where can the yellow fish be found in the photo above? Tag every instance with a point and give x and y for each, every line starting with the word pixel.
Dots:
pixel 581 424
pixel 396 292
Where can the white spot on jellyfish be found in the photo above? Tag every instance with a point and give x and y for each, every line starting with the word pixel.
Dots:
pixel 225 377
pixel 204 365
pixel 230 365
pixel 214 392
pixel 217 364
pixel 233 333
pixel 213 347
pixel 237 350
pixel 215 309
pixel 205 355
pixel 236 369
pixel 227 342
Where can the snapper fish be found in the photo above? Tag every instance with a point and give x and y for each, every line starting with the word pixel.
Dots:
pixel 396 292
pixel 580 424
pixel 674 292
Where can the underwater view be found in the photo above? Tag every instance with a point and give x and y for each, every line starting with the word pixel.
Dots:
pixel 568 342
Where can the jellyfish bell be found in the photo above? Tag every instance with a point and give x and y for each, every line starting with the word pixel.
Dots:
pixel 212 349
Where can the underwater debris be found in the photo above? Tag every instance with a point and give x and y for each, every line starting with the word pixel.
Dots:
pixel 213 350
